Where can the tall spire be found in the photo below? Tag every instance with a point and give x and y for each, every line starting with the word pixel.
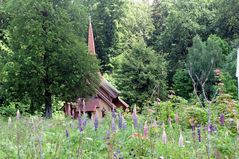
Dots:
pixel 91 43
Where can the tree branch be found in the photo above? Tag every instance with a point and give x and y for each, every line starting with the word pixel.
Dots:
pixel 194 85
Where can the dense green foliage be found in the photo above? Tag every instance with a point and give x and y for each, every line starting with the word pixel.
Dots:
pixel 150 52
pixel 227 19
pixel 176 23
pixel 105 15
pixel 48 56
pixel 182 83
pixel 56 30
pixel 141 70
pixel 202 59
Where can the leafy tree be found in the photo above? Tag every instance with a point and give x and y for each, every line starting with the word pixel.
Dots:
pixel 176 23
pixel 137 23
pixel 49 56
pixel 229 84
pixel 141 74
pixel 182 83
pixel 223 45
pixel 227 18
pixel 115 24
pixel 105 16
pixel 230 64
pixel 202 59
pixel 4 49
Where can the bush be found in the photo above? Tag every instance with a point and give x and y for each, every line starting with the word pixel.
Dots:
pixel 229 84
pixel 12 107
pixel 182 83
pixel 141 74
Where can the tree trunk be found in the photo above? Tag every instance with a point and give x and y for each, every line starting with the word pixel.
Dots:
pixel 47 80
pixel 48 104
pixel 47 93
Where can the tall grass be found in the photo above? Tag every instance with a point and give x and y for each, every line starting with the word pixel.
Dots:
pixel 35 137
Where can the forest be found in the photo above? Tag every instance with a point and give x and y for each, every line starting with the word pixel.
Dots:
pixel 173 61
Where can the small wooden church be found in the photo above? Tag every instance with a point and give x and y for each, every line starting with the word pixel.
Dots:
pixel 106 98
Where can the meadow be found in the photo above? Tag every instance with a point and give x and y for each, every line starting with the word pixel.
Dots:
pixel 175 60
pixel 119 135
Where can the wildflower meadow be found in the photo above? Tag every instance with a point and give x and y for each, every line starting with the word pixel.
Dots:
pixel 119 79
pixel 119 135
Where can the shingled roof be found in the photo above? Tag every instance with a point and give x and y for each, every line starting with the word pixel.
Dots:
pixel 105 89
pixel 106 93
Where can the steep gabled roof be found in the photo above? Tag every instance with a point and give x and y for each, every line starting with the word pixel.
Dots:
pixel 91 42
pixel 104 85
pixel 107 86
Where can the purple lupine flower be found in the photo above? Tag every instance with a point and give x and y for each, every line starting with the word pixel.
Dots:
pixel 67 134
pixel 180 141
pixel 18 115
pixel 79 117
pixel 146 129
pixel 177 118
pixel 96 121
pixel 113 113
pixel 222 119
pixel 80 123
pixel 120 121
pixel 113 126
pixel 209 128
pixel 163 125
pixel 124 123
pixel 84 119
pixel 84 122
pixel 199 133
pixel 238 126
pixel 81 128
pixel 170 122
pixel 107 138
pixel 117 153
pixel 108 134
pixel 135 118
pixel 164 137
pixel 212 128
pixel 193 128
pixel 154 124
pixel 40 146
pixel 73 114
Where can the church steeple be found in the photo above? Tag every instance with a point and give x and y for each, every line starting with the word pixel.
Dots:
pixel 91 43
